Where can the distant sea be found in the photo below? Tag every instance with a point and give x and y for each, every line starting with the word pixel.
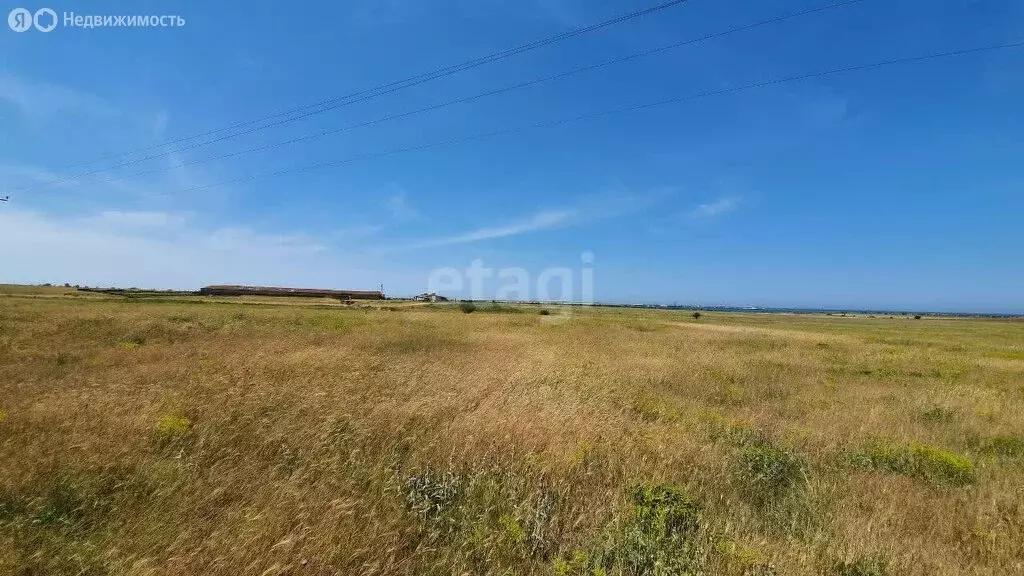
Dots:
pixel 833 311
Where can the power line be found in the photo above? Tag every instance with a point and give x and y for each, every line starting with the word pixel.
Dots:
pixel 604 113
pixel 462 100
pixel 362 95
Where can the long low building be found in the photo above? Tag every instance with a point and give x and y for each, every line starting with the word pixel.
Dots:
pixel 233 290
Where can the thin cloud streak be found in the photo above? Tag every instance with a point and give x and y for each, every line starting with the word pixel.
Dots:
pixel 543 220
pixel 40 100
pixel 139 220
pixel 590 209
pixel 716 208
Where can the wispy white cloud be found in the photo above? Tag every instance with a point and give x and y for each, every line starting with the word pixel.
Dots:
pixel 543 220
pixel 182 177
pixel 589 209
pixel 18 176
pixel 155 249
pixel 23 181
pixel 235 239
pixel 26 180
pixel 716 208
pixel 355 232
pixel 400 208
pixel 137 220
pixel 39 100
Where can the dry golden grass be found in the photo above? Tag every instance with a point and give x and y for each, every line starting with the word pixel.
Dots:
pixel 164 437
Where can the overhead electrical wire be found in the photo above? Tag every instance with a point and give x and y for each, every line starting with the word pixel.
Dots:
pixel 609 112
pixel 462 100
pixel 308 110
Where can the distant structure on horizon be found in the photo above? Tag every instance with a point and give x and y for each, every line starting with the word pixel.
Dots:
pixel 235 290
pixel 429 297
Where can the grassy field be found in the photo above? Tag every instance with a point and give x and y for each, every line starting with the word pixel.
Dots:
pixel 182 437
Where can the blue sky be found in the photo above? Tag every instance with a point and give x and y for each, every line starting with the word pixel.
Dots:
pixel 899 187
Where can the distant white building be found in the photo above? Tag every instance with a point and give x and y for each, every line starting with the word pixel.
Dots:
pixel 429 297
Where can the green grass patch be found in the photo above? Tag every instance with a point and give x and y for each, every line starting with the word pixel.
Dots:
pixel 500 309
pixel 661 537
pixel 1010 446
pixel 770 474
pixel 488 518
pixel 56 524
pixel 651 409
pixel 131 341
pixel 430 495
pixel 928 463
pixel 938 414
pixel 1008 354
pixel 172 427
pixel 742 559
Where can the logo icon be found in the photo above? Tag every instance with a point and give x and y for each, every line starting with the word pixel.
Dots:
pixel 20 19
pixel 41 22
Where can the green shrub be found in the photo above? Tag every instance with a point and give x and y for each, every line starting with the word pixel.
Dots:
pixel 172 427
pixel 885 458
pixel 512 531
pixel 665 511
pixel 730 394
pixel 57 523
pixel 939 414
pixel 132 341
pixel 499 309
pixel 941 466
pixel 64 504
pixel 483 517
pixel 770 473
pixel 921 461
pixel 661 538
pixel 429 494
pixel 1001 445
pixel 651 409
pixel 467 307
pixel 545 312
pixel 538 523
pixel 748 560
